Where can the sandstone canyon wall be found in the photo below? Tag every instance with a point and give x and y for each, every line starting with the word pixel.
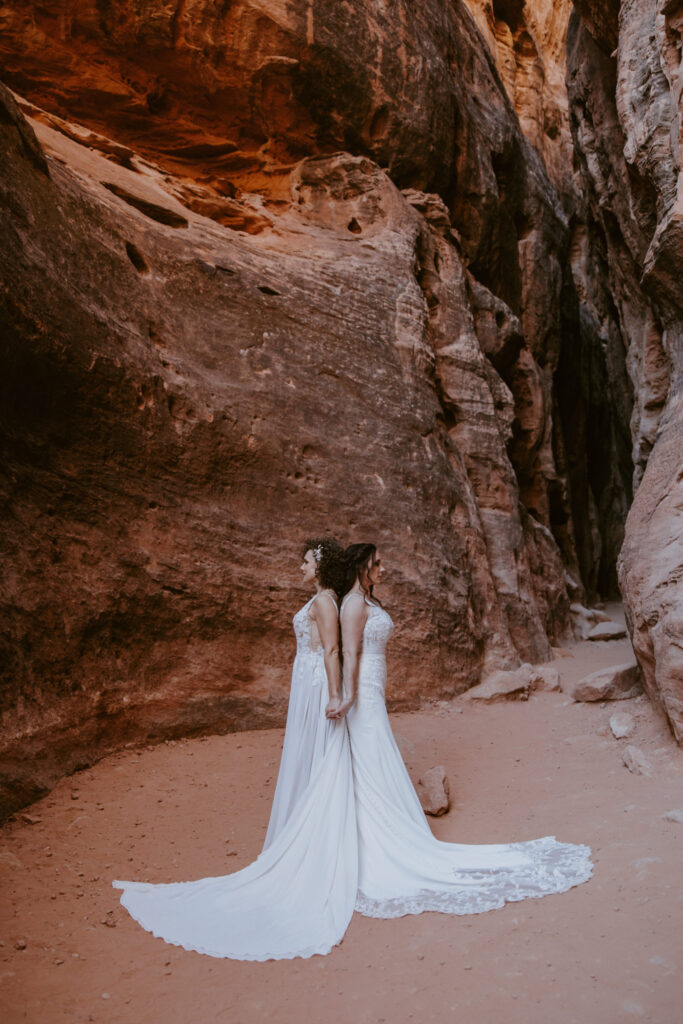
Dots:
pixel 624 83
pixel 276 268
pixel 529 44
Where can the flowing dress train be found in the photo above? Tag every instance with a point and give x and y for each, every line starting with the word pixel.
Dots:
pixel 346 831
pixel 402 867
pixel 297 897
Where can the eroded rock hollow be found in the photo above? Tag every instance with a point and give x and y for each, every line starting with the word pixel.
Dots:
pixel 271 270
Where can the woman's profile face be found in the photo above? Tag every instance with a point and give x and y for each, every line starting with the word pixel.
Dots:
pixel 308 567
pixel 375 570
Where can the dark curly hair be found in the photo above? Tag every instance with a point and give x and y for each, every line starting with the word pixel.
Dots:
pixel 356 558
pixel 331 566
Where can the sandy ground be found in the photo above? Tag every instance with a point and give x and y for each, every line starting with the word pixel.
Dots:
pixel 608 951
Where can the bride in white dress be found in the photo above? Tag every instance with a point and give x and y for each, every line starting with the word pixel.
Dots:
pixel 316 680
pixel 298 896
pixel 402 868
pixel 347 829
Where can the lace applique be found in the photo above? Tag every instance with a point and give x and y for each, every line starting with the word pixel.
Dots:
pixel 554 868
pixel 305 630
pixel 378 628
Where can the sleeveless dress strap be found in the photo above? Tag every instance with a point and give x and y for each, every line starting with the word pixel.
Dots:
pixel 350 594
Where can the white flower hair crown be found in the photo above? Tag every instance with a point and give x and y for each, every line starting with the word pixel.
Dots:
pixel 318 553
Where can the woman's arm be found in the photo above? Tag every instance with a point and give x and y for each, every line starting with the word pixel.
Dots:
pixel 323 611
pixel 352 625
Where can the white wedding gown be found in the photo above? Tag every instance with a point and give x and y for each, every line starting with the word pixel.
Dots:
pixel 346 831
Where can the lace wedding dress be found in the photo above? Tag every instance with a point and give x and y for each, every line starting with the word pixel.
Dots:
pixel 308 731
pixel 402 868
pixel 346 830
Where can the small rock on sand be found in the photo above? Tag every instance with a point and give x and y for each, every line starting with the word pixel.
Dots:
pixel 676 815
pixel 616 683
pixel 503 685
pixel 622 724
pixel 636 762
pixel 545 677
pixel 584 619
pixel 434 791
pixel 606 631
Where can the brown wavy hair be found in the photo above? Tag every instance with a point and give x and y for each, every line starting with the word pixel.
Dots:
pixel 331 568
pixel 357 557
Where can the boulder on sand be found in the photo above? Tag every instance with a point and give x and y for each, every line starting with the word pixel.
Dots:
pixel 504 685
pixel 636 762
pixel 618 682
pixel 606 631
pixel 545 677
pixel 584 619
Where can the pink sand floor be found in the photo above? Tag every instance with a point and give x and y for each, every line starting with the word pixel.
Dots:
pixel 608 951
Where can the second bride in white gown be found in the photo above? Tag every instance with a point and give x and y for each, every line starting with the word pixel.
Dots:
pixel 347 829
pixel 402 867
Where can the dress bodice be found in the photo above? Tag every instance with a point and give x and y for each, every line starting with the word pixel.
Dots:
pixel 306 631
pixel 372 672
pixel 378 628
pixel 303 629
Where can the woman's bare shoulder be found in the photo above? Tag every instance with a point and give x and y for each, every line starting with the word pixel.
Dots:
pixel 354 606
pixel 328 603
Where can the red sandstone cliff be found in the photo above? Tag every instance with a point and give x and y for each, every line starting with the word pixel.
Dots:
pixel 289 267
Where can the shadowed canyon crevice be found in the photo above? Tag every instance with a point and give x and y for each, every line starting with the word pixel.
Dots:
pixel 272 268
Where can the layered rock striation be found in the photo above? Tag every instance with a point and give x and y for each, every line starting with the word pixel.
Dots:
pixel 592 391
pixel 528 41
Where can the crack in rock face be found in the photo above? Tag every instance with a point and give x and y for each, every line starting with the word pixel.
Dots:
pixel 154 211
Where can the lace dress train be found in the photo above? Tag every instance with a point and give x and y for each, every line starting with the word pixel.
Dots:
pixel 402 867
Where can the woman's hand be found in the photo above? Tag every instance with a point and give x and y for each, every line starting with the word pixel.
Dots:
pixel 332 709
pixel 343 708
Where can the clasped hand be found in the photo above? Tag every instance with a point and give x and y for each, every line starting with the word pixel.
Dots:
pixel 337 708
